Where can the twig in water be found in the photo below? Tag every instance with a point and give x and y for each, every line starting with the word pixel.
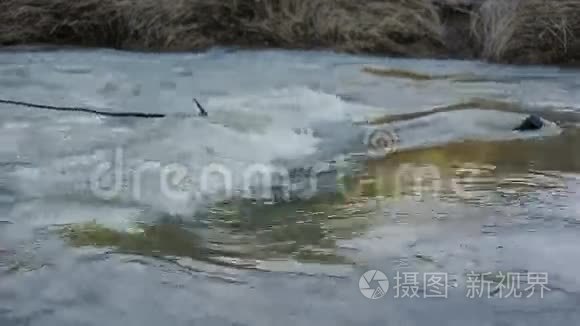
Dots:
pixel 202 111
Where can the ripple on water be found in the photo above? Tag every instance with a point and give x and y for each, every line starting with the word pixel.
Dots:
pixel 123 255
pixel 74 69
pixel 17 71
pixel 296 237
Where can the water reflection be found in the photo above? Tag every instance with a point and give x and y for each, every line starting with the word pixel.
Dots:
pixel 242 232
pixel 455 170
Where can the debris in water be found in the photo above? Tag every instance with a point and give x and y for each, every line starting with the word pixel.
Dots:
pixel 532 122
pixel 407 74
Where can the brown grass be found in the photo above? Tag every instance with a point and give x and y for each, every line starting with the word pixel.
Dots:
pixel 528 31
pixel 513 31
pixel 396 27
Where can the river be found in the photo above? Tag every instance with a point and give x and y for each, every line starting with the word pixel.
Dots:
pixel 120 221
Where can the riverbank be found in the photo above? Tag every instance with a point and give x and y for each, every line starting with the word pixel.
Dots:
pixel 506 31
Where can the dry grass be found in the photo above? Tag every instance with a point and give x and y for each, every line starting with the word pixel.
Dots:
pixel 514 31
pixel 528 31
pixel 396 27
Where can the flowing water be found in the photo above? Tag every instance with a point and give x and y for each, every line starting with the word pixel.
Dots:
pixel 128 221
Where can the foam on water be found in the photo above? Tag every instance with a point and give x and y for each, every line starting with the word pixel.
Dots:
pixel 264 107
pixel 242 130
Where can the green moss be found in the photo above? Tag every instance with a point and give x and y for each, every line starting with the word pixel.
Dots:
pixel 319 256
pixel 305 230
pixel 407 74
pixel 151 240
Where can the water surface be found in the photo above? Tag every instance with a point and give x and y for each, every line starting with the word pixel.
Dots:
pixel 492 200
